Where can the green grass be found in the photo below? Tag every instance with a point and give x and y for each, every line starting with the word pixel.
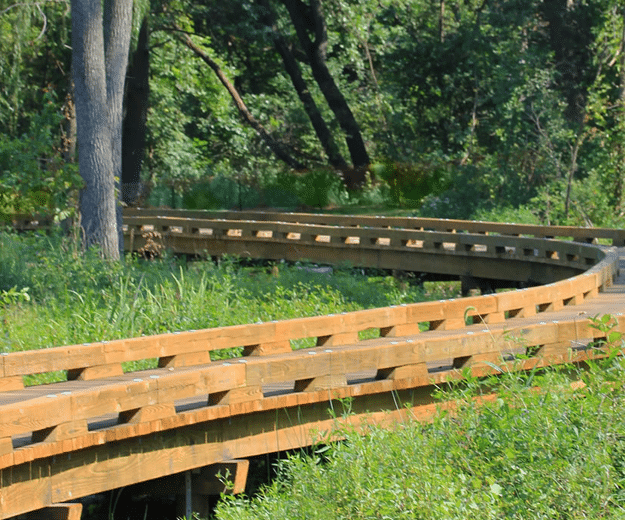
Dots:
pixel 557 453
pixel 52 295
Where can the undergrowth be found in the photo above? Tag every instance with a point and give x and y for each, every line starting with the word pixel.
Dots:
pixel 52 294
pixel 541 449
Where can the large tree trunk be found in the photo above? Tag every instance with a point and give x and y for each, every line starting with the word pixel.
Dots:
pixel 292 68
pixel 97 199
pixel 307 20
pixel 99 60
pixel 135 119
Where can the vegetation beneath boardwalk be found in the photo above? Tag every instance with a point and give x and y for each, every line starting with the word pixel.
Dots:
pixel 51 294
pixel 554 453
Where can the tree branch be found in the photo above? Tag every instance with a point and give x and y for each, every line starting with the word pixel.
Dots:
pixel 276 147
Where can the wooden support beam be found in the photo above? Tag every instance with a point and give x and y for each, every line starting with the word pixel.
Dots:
pixel 476 360
pixel 236 395
pixel 62 431
pixel 404 329
pixel 6 445
pixel 555 305
pixel 418 370
pixel 147 413
pixel 337 339
pixel 447 324
pixel 8 384
pixel 266 349
pixel 321 383
pixel 229 477
pixel 186 359
pixel 523 312
pixel 95 372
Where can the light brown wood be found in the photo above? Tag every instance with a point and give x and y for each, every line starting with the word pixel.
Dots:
pixel 327 382
pixel 147 413
pixel 418 370
pixel 265 349
pixel 236 395
pixel 95 372
pixel 8 384
pixel 403 329
pixel 61 431
pixel 185 360
pixel 6 446
pixel 337 339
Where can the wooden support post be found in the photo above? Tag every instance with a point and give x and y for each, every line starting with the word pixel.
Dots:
pixel 147 413
pixel 523 312
pixel 236 395
pixel 476 360
pixel 6 445
pixel 95 372
pixel 555 305
pixel 8 384
pixel 188 496
pixel 404 329
pixel 265 349
pixel 551 349
pixel 320 383
pixel 491 318
pixel 187 359
pixel 450 324
pixel 213 479
pixel 201 485
pixel 334 340
pixel 61 431
pixel 418 370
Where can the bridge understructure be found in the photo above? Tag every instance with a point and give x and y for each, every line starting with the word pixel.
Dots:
pixel 192 417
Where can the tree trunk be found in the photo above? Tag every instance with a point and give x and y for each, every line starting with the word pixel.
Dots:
pixel 135 119
pixel 99 66
pixel 97 199
pixel 309 19
pixel 314 114
pixel 276 147
pixel 117 29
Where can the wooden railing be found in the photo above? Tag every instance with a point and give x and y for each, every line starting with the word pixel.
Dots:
pixel 591 235
pixel 417 345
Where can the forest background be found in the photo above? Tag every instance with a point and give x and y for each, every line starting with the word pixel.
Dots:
pixel 479 109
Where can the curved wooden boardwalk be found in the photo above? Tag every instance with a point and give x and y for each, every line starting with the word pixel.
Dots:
pixel 104 429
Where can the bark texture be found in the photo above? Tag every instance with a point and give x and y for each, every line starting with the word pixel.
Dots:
pixel 99 66
pixel 312 110
pixel 311 30
pixel 135 119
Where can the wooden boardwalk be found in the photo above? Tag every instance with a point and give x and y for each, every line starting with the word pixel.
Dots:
pixel 102 428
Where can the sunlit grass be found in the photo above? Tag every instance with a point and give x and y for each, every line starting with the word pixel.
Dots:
pixel 75 298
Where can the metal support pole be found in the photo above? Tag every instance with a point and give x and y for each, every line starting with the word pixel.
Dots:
pixel 188 495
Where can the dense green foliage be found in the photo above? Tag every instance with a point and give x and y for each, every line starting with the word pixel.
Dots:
pixel 554 453
pixel 508 110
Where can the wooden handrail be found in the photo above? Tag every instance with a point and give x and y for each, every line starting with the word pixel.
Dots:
pixel 103 359
pixel 98 404
pixel 614 236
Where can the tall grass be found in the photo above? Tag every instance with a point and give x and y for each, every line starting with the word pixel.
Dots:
pixel 556 453
pixel 77 298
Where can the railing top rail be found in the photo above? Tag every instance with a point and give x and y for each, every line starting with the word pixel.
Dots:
pixel 617 236
pixel 100 359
